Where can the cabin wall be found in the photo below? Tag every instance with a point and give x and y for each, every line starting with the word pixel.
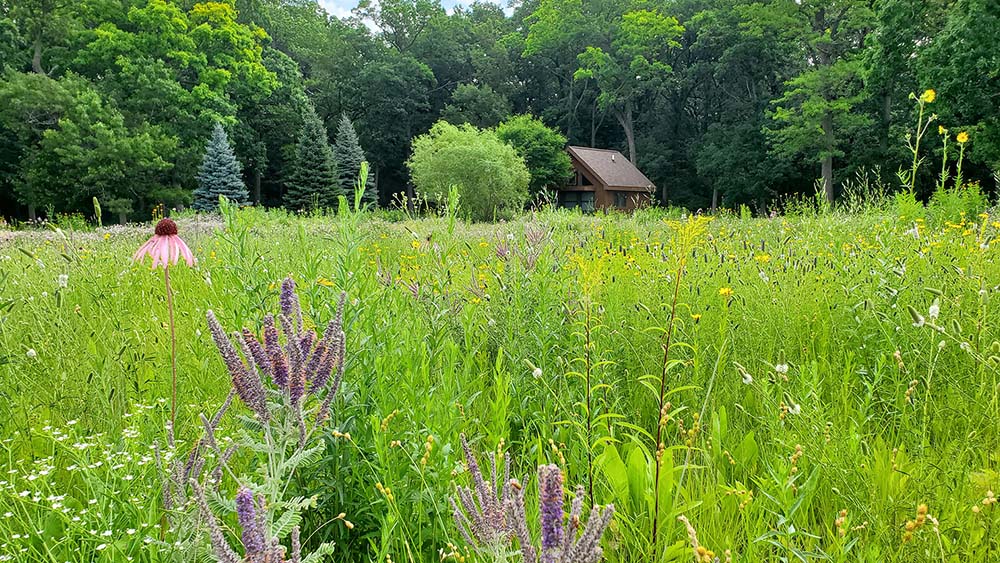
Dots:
pixel 620 200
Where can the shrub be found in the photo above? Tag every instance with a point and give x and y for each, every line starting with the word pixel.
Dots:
pixel 491 177
pixel 542 148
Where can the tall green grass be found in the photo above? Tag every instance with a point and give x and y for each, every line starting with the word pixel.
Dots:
pixel 798 385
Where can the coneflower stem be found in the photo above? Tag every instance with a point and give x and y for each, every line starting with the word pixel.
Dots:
pixel 173 351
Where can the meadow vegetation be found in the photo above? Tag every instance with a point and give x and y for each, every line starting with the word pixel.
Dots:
pixel 823 384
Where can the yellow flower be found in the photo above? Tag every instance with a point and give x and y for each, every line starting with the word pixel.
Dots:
pixel 941 130
pixel 415 244
pixel 726 291
pixel 107 236
pixel 324 282
pixel 928 96
pixel 696 317
pixel 962 137
pixel 763 258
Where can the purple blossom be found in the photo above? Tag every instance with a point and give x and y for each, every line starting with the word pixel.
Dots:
pixel 550 495
pixel 253 536
pixel 296 546
pixel 316 359
pixel 279 368
pixel 289 302
pixel 292 346
pixel 272 348
pixel 220 547
pixel 256 352
pixel 306 340
pixel 559 545
pixel 246 383
pixel 481 518
pixel 328 363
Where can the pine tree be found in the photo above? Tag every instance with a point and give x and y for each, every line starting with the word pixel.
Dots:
pixel 314 181
pixel 350 156
pixel 220 174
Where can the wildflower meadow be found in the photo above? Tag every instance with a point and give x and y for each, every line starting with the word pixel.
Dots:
pixel 819 386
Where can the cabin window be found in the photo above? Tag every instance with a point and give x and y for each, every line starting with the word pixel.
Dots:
pixel 621 200
pixel 577 200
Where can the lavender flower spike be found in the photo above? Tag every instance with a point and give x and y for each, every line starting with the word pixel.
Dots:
pixel 483 522
pixel 559 545
pixel 246 384
pixel 550 494
pixel 220 547
pixel 519 522
pixel 289 302
pixel 257 352
pixel 253 537
pixel 273 348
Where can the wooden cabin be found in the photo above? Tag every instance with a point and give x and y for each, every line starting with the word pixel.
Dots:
pixel 604 179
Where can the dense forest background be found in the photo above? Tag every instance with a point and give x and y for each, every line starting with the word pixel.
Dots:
pixel 726 101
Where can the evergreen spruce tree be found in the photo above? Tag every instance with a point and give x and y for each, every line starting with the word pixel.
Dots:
pixel 349 157
pixel 315 178
pixel 220 174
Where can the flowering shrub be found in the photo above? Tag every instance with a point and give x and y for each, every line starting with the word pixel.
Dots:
pixel 288 388
pixel 488 523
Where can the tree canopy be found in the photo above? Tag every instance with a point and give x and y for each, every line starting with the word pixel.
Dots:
pixel 719 102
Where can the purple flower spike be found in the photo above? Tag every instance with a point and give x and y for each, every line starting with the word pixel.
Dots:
pixel 550 481
pixel 257 352
pixel 272 347
pixel 279 369
pixel 253 537
pixel 289 302
pixel 247 385
pixel 296 385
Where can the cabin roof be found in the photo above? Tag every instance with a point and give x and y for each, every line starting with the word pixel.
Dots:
pixel 610 168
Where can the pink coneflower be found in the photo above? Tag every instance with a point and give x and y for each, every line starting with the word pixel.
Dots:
pixel 166 248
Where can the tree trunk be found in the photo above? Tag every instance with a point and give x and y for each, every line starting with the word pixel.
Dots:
pixel 886 121
pixel 593 124
pixel 256 187
pixel 828 143
pixel 570 109
pixel 715 199
pixel 32 214
pixel 624 116
pixel 36 58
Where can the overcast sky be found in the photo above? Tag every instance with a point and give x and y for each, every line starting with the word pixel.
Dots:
pixel 342 8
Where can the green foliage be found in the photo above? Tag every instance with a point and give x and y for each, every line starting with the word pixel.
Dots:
pixel 74 146
pixel 721 102
pixel 479 106
pixel 492 178
pixel 542 148
pixel 219 175
pixel 314 182
pixel 960 63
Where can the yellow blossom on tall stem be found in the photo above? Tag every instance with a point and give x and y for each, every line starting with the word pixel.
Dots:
pixel 928 96
pixel 962 137
pixel 166 248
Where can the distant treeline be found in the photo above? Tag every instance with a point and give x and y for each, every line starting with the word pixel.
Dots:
pixel 718 101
